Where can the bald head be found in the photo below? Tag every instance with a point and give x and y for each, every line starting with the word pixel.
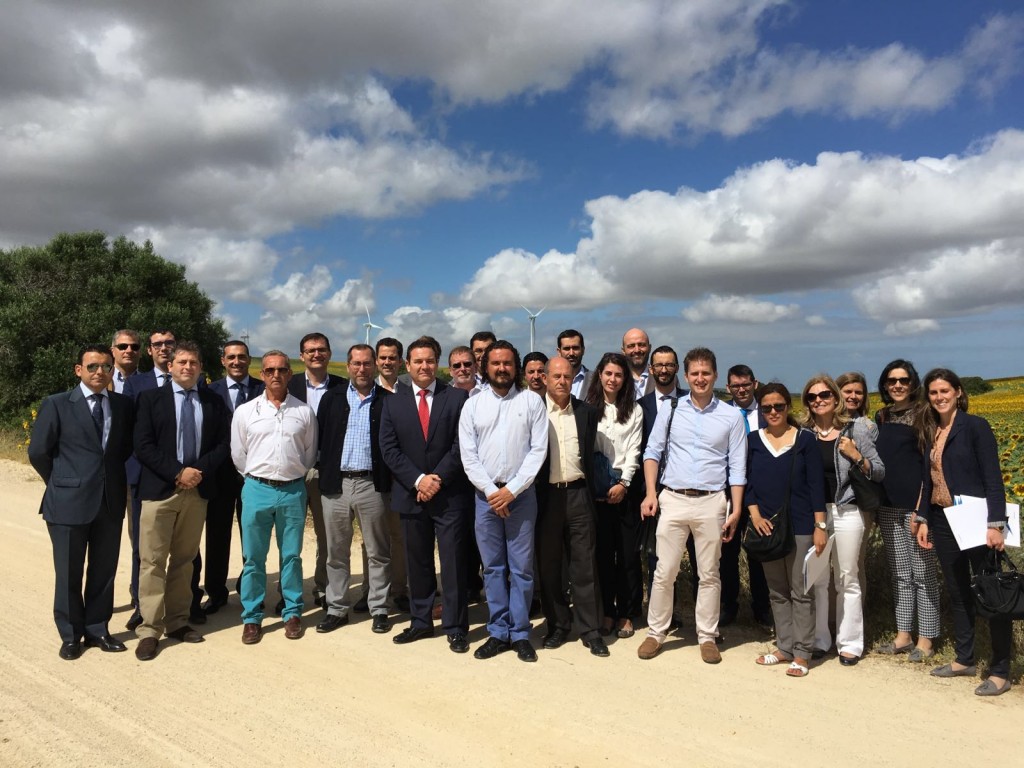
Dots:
pixel 636 346
pixel 559 380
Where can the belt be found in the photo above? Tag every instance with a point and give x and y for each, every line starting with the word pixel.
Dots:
pixel 690 491
pixel 581 483
pixel 274 483
pixel 500 485
pixel 360 473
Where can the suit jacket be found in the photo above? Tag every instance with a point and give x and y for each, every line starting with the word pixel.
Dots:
pixel 332 420
pixel 586 434
pixel 408 455
pixel 761 423
pixel 221 387
pixel 297 386
pixel 156 441
pixel 79 473
pixel 970 464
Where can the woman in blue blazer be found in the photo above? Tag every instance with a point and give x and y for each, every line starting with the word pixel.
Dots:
pixel 963 459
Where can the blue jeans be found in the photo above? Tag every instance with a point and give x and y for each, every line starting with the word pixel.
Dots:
pixel 506 549
pixel 282 509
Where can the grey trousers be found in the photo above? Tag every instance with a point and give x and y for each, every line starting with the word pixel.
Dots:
pixel 357 498
pixel 792 609
pixel 399 577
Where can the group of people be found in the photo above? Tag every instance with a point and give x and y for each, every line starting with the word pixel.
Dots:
pixel 549 479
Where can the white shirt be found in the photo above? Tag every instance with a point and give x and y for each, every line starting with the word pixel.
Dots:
pixel 503 439
pixel 621 442
pixel 274 443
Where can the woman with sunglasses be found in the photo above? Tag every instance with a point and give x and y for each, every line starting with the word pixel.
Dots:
pixel 826 415
pixel 962 459
pixel 619 429
pixel 915 583
pixel 781 459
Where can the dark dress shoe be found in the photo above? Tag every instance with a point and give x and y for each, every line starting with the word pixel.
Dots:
pixel 401 603
pixel 848 661
pixel 213 604
pixel 362 605
pixel 458 643
pixel 251 634
pixel 597 646
pixel 726 618
pixel 293 628
pixel 381 625
pixel 492 648
pixel 320 601
pixel 412 634
pixel 186 635
pixel 70 651
pixel 146 649
pixel 105 643
pixel 279 608
pixel 331 622
pixel 524 650
pixel 135 621
pixel 196 616
pixel 555 639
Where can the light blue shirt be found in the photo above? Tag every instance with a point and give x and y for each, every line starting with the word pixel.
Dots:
pixel 707 449
pixel 315 393
pixel 503 439
pixel 355 453
pixel 577 383
pixel 197 410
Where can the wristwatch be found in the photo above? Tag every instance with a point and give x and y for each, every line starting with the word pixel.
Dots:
pixel 821 524
pixel 999 526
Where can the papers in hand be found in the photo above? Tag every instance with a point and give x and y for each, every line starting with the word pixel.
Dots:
pixel 816 566
pixel 968 518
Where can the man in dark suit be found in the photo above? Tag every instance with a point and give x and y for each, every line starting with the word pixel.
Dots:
pixel 315 351
pixel 181 440
pixel 571 346
pixel 419 442
pixel 80 442
pixel 235 388
pixel 636 346
pixel 567 523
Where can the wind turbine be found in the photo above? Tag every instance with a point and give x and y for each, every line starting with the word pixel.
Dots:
pixel 533 324
pixel 369 324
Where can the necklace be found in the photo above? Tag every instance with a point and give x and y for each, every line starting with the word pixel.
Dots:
pixel 823 432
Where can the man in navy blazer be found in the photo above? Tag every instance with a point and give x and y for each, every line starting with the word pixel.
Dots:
pixel 181 440
pixel 419 440
pixel 315 351
pixel 79 448
pixel 235 388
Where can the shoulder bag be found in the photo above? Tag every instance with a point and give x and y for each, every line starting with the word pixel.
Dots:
pixel 780 542
pixel 999 593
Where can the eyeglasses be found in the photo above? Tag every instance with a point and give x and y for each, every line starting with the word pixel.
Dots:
pixel 316 351
pixel 277 371
pixel 777 407
pixel 93 367
pixel 457 366
pixel 132 347
pixel 824 396
pixel 160 344
pixel 746 385
pixel 903 381
pixel 664 366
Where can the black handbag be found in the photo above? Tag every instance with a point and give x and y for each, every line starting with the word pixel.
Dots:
pixel 780 542
pixel 605 476
pixel 999 593
pixel 867 493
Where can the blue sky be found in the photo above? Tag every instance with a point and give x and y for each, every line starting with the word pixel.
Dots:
pixel 800 186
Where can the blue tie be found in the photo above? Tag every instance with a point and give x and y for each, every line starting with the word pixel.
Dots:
pixel 746 424
pixel 239 395
pixel 187 430
pixel 97 415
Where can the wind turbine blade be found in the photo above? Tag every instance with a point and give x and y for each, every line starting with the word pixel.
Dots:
pixel 539 311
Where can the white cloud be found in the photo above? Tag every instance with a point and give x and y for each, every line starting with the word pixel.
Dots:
pixel 911 327
pixel 738 309
pixel 815 320
pixel 451 326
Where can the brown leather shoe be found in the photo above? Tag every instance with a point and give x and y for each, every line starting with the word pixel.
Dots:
pixel 293 628
pixel 252 634
pixel 709 653
pixel 649 648
pixel 146 649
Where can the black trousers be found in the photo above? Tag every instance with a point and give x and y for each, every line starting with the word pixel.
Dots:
pixel 221 513
pixel 618 559
pixel 85 553
pixel 957 567
pixel 450 526
pixel 567 525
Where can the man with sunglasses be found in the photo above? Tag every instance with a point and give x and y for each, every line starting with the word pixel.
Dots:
pixel 126 348
pixel 79 445
pixel 462 366
pixel 274 445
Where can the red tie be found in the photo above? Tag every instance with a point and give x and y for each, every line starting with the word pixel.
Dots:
pixel 424 413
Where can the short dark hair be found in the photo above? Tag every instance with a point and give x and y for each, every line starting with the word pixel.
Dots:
pixel 517 374
pixel 741 371
pixel 162 332
pixel 103 349
pixel 387 341
pixel 460 350
pixel 535 357
pixel 314 336
pixel 915 380
pixel 487 336
pixel 665 349
pixel 424 341
pixel 570 333
pixel 361 348
pixel 236 343
pixel 700 354
pixel 188 346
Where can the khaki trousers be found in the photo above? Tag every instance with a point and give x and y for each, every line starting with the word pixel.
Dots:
pixel 169 534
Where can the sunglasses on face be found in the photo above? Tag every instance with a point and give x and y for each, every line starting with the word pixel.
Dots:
pixel 93 367
pixel 825 396
pixel 903 381
pixel 777 407
pixel 132 347
pixel 457 366
pixel 277 371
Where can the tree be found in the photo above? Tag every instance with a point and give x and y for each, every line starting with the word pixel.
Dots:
pixel 79 289
pixel 975 385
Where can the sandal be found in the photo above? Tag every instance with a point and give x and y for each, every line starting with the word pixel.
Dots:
pixel 796 669
pixel 771 659
pixel 625 629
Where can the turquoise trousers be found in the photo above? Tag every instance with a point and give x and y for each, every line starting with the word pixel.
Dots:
pixel 283 510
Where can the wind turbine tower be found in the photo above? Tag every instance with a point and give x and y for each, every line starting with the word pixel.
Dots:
pixel 369 324
pixel 533 325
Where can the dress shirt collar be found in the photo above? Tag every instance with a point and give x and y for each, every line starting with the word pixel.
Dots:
pixel 553 407
pixel 89 393
pixel 431 388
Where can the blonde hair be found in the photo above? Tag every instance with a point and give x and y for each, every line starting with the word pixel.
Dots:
pixel 840 418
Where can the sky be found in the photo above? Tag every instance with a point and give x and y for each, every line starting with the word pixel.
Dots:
pixel 800 186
